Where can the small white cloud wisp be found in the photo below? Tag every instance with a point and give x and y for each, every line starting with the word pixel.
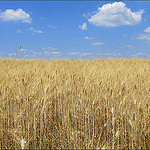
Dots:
pixel 56 52
pixel 88 38
pixel 145 36
pixel 46 52
pixel 35 31
pixel 19 31
pixel 83 27
pixel 97 43
pixel 147 30
pixel 52 27
pixel 74 53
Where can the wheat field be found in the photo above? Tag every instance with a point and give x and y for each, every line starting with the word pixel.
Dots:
pixel 75 104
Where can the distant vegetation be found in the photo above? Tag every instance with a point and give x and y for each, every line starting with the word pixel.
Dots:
pixel 74 104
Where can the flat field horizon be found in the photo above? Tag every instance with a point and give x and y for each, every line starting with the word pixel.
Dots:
pixel 75 104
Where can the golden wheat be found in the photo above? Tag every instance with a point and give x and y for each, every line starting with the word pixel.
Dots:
pixel 74 104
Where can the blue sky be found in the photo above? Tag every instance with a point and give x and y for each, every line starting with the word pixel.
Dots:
pixel 74 29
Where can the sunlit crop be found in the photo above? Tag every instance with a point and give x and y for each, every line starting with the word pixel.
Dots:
pixel 75 104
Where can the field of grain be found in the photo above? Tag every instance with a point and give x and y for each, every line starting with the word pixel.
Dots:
pixel 72 104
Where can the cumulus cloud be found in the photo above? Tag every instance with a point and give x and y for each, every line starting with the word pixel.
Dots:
pixel 88 38
pixel 147 30
pixel 97 43
pixel 15 15
pixel 36 31
pixel 83 27
pixel 115 14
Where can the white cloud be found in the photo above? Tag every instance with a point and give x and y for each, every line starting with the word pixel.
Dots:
pixel 107 54
pixel 112 54
pixel 147 30
pixel 86 54
pixel 128 46
pixel 115 14
pixel 52 27
pixel 84 15
pixel 74 53
pixel 88 38
pixel 36 31
pixel 97 43
pixel 12 15
pixel 139 53
pixel 19 31
pixel 56 52
pixel 50 48
pixel 23 50
pixel 46 52
pixel 144 37
pixel 83 27
pixel 35 53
